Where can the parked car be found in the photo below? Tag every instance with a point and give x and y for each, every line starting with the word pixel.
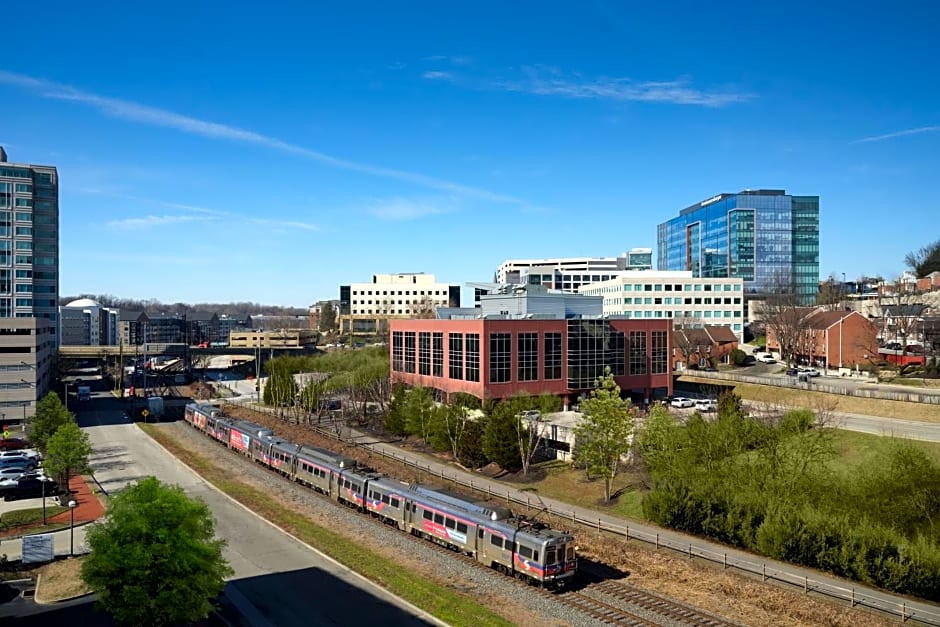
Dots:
pixel 706 404
pixel 792 372
pixel 18 460
pixel 12 480
pixel 531 414
pixel 766 358
pixel 13 444
pixel 31 487
pixel 681 401
pixel 809 372
pixel 12 472
pixel 23 452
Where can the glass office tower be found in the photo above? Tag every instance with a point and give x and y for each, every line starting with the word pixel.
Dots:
pixel 765 237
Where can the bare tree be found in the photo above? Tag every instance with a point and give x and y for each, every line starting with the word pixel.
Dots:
pixel 785 318
pixel 530 432
pixel 901 311
pixel 425 308
pixel 831 294
pixel 925 260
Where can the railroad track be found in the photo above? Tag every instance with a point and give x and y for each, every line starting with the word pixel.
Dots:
pixel 671 611
pixel 601 611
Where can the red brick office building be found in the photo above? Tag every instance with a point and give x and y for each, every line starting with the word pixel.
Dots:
pixel 499 358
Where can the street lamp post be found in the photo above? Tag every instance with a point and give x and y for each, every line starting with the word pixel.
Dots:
pixel 72 505
pixel 43 481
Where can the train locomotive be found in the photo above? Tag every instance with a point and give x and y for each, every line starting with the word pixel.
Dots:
pixel 490 534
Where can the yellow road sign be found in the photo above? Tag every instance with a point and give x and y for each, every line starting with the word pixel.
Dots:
pixel 145 413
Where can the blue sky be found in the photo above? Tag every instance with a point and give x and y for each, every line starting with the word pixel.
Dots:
pixel 272 153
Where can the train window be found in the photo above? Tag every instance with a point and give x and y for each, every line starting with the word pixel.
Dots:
pixel 356 487
pixel 462 528
pixel 525 552
pixel 496 541
pixel 535 555
pixel 480 533
pixel 385 499
pixel 550 557
pixel 450 523
pixel 570 552
pixel 428 515
pixel 395 502
pixel 438 519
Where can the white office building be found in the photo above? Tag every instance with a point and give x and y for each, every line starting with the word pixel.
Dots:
pixel 689 301
pixel 570 273
pixel 366 308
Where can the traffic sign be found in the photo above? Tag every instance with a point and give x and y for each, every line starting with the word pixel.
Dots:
pixel 145 413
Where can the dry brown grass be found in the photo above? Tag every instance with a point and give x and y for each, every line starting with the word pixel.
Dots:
pixel 726 593
pixel 61 580
pixel 879 407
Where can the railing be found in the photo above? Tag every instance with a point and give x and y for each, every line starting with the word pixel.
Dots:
pixel 851 595
pixel 816 386
pixel 856 597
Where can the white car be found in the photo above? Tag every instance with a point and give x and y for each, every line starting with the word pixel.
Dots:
pixel 29 453
pixel 809 372
pixel 706 404
pixel 531 414
pixel 766 358
pixel 681 401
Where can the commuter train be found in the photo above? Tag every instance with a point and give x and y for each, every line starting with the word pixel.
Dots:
pixel 490 534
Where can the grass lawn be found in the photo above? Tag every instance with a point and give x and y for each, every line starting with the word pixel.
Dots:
pixel 855 449
pixel 12 522
pixel 847 404
pixel 566 484
pixel 430 596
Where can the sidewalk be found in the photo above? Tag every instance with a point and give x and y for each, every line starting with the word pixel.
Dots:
pixel 88 509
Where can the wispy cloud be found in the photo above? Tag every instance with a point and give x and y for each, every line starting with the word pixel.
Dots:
pixel 214 130
pixel 285 224
pixel 149 222
pixel 904 133
pixel 549 81
pixel 546 81
pixel 402 209
pixel 453 59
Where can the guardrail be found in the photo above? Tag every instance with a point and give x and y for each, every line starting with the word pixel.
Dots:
pixel 856 597
pixel 820 386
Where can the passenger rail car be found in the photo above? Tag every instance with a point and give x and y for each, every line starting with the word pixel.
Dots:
pixel 488 533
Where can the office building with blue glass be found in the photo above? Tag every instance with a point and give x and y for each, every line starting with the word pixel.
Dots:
pixel 765 237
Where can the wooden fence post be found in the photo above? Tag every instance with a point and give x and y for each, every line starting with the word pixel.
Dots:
pixel 657 541
pixel 763 575
pixel 724 563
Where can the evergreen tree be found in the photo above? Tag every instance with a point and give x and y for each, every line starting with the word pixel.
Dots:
pixel 500 439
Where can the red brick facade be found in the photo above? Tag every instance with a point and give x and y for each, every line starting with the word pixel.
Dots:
pixel 644 384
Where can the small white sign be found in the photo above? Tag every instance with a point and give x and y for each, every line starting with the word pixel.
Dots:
pixel 38 548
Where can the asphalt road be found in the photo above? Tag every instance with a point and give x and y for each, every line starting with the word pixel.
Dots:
pixel 278 580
